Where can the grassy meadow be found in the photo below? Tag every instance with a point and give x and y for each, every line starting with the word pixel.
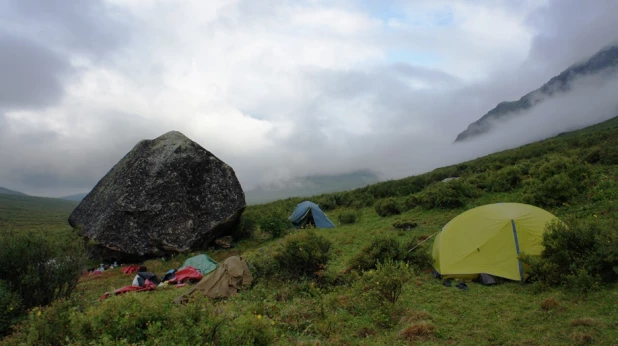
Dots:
pixel 573 175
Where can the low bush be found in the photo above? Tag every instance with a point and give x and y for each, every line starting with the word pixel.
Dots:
pixel 275 222
pixel 303 254
pixel 347 217
pixel 387 280
pixel 387 207
pixel 245 330
pixel 417 254
pixel 506 179
pixel 245 228
pixel 554 191
pixel 448 195
pixel 385 248
pixel 411 202
pixel 37 270
pixel 379 250
pixel 582 256
pixel 10 308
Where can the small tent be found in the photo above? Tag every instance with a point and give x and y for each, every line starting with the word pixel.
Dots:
pixel 489 239
pixel 202 262
pixel 310 213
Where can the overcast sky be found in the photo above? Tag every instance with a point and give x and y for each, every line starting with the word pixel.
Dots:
pixel 281 89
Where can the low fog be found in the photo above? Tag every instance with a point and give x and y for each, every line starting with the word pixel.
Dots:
pixel 286 91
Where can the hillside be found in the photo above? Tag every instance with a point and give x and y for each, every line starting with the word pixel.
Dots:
pixel 10 192
pixel 604 61
pixel 310 186
pixel 19 212
pixel 573 175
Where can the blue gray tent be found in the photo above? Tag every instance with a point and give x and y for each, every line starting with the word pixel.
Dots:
pixel 309 213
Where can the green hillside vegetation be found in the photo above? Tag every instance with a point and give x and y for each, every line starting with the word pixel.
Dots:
pixel 368 281
pixel 37 214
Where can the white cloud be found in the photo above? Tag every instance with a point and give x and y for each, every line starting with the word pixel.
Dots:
pixel 273 88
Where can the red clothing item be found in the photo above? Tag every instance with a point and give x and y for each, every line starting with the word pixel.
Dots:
pixel 149 286
pixel 130 269
pixel 186 274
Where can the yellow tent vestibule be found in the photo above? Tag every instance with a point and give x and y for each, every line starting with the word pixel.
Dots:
pixel 488 239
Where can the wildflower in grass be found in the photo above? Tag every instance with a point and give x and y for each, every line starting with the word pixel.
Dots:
pixel 259 317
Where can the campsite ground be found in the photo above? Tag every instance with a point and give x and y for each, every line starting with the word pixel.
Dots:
pixel 325 311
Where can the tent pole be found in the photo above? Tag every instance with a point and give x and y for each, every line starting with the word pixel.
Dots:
pixel 419 244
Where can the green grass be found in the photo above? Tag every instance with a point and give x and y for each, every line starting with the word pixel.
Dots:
pixel 38 214
pixel 305 312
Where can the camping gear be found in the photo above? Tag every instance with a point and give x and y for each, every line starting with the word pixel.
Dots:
pixel 486 279
pixel 310 213
pixel 148 286
pixel 462 286
pixel 187 274
pixel 169 275
pixel 232 276
pixel 130 269
pixel 489 239
pixel 202 262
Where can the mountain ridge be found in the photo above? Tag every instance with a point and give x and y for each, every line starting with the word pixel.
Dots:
pixel 604 59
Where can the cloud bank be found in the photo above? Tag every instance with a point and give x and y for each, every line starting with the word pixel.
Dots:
pixel 284 89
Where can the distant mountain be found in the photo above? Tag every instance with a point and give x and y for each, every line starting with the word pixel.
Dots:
pixel 604 60
pixel 11 192
pixel 311 186
pixel 76 197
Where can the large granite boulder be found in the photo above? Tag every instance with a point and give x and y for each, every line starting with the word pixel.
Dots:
pixel 167 195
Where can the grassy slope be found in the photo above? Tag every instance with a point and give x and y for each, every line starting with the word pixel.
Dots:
pixel 508 314
pixel 37 214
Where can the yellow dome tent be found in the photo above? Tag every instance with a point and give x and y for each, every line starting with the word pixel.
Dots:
pixel 488 239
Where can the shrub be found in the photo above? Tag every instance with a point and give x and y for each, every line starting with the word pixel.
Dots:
pixel 592 155
pixel 448 195
pixel 38 270
pixel 609 155
pixel 506 179
pixel 411 202
pixel 404 224
pixel 387 280
pixel 582 256
pixel 245 330
pixel 416 255
pixel 347 217
pixel 363 201
pixel 388 207
pixel 245 228
pixel 554 191
pixel 379 250
pixel 10 308
pixel 303 254
pixel 275 222
pixel 385 248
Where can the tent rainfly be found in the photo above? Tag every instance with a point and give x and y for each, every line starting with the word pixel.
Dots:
pixel 489 239
pixel 309 212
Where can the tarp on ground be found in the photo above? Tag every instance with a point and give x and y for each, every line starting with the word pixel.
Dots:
pixel 202 262
pixel 309 212
pixel 233 275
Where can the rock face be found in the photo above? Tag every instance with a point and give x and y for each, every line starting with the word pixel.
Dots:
pixel 167 195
